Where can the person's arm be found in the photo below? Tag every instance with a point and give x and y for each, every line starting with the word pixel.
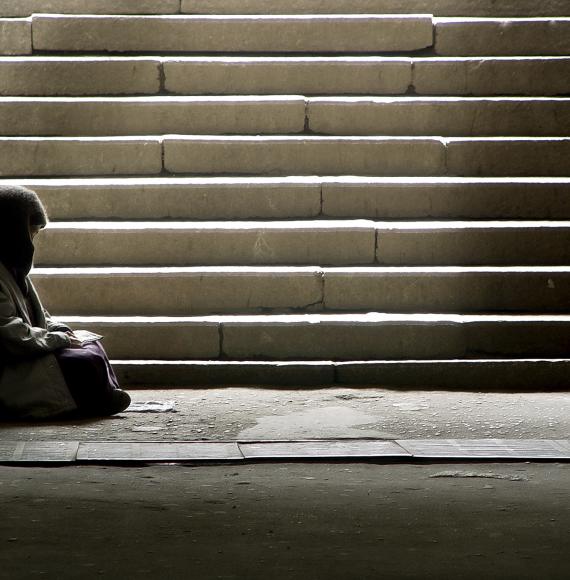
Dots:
pixel 55 325
pixel 19 339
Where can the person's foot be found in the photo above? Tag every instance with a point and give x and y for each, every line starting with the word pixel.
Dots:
pixel 118 401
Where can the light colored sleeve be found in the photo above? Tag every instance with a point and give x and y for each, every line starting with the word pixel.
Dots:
pixel 19 339
pixel 55 325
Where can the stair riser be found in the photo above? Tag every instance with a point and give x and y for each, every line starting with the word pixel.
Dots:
pixel 379 156
pixel 183 294
pixel 537 375
pixel 202 202
pixel 474 246
pixel 261 198
pixel 508 157
pixel 447 118
pixel 326 341
pixel 76 77
pixel 441 200
pixel 490 76
pixel 303 245
pixel 162 295
pixel 400 117
pixel 92 118
pixel 214 246
pixel 29 7
pixel 246 34
pixel 44 157
pixel 437 7
pixel 499 37
pixel 391 76
pixel 15 37
pixel 305 157
pixel 50 76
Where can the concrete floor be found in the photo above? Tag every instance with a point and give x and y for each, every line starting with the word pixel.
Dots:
pixel 259 413
pixel 286 522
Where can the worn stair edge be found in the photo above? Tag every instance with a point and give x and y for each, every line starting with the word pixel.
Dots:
pixel 479 374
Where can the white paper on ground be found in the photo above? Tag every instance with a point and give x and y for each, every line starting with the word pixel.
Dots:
pixel 152 407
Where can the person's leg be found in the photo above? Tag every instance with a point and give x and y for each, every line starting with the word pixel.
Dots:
pixel 91 380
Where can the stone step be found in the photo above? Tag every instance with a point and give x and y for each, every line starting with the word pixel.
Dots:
pixel 233 290
pixel 312 242
pixel 212 243
pixel 72 76
pixel 244 198
pixel 182 198
pixel 284 155
pixel 255 115
pixel 370 336
pixel 381 156
pixel 524 75
pixel 53 156
pixel 304 155
pixel 512 156
pixel 502 36
pixel 455 374
pixel 437 7
pixel 306 75
pixel 15 36
pixel 29 7
pixel 102 116
pixel 260 33
pixel 447 116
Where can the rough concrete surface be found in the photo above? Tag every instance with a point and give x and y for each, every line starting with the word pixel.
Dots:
pixel 286 521
pixel 436 7
pixel 287 75
pixel 494 37
pixel 15 36
pixel 258 33
pixel 492 76
pixel 260 413
pixel 45 76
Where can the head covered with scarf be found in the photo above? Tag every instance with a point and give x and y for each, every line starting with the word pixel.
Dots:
pixel 20 209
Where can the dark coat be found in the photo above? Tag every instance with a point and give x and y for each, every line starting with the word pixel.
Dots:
pixel 32 385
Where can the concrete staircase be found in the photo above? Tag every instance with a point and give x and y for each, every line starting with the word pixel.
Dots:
pixel 305 193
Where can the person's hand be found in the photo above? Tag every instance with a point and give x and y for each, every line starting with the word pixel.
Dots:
pixel 74 341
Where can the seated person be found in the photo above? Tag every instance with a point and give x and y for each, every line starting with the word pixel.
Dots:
pixel 45 370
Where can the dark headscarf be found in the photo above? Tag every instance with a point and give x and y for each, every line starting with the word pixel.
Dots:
pixel 20 208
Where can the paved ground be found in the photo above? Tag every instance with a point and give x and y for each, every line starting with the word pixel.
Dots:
pixel 256 413
pixel 286 522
